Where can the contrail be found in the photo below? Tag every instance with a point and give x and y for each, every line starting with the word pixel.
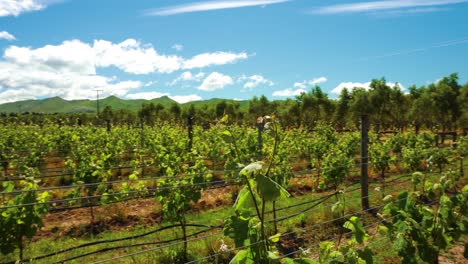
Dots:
pixel 406 52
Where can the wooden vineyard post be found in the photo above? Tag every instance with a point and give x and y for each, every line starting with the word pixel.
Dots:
pixel 190 131
pixel 364 162
pixel 260 125
pixel 108 125
pixel 142 124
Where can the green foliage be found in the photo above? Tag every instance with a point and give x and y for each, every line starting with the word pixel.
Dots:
pixel 24 218
pixel 380 157
pixel 420 232
pixel 438 158
pixel 336 166
pixel 348 253
pixel 462 146
pixel 413 157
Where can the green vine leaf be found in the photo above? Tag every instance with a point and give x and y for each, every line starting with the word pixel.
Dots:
pixel 237 227
pixel 355 225
pixel 299 261
pixel 269 189
pixel 275 238
pixel 242 257
pixel 244 199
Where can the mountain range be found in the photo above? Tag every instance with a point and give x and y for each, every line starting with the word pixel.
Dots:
pixel 60 105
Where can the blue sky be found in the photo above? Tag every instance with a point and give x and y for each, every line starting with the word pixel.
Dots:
pixel 193 50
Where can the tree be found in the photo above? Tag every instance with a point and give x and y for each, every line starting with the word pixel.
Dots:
pixel 380 100
pixel 463 103
pixel 420 112
pixel 220 108
pixel 175 111
pixel 107 113
pixel 342 109
pixel 399 108
pixel 359 105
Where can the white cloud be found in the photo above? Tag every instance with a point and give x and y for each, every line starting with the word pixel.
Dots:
pixel 148 84
pixel 366 86
pixel 71 56
pixel 349 86
pixel 255 80
pixel 132 57
pixel 215 58
pixel 146 95
pixel 129 56
pixel 16 7
pixel 317 80
pixel 410 11
pixel 186 77
pixel 182 99
pixel 7 36
pixel 301 85
pixel 21 82
pixel 288 92
pixel 215 81
pixel 178 47
pixel 209 5
pixel 304 84
pixel 373 6
pixel 69 69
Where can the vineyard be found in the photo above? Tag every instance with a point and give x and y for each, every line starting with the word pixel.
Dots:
pixel 229 194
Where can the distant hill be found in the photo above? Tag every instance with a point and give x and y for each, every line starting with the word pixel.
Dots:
pixel 59 105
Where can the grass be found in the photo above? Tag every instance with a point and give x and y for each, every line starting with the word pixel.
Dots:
pixel 301 225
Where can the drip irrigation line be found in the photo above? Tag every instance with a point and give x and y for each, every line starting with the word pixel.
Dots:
pixel 317 203
pixel 145 234
pixel 214 183
pixel 126 199
pixel 116 181
pixel 129 246
pixel 178 176
pixel 287 233
pixel 69 173
pixel 156 248
pixel 147 250
pixel 127 180
pixel 298 204
pixel 258 242
pixel 226 251
pixel 333 236
pixel 120 239
pixel 112 194
pixel 154 165
pixel 348 215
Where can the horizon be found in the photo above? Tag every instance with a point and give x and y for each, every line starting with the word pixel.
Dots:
pixel 199 50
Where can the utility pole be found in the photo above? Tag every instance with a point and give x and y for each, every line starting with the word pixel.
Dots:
pixel 97 100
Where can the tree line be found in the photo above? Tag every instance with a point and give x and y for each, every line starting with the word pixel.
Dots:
pixel 439 106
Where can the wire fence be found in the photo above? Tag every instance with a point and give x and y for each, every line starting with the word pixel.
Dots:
pixel 177 176
pixel 88 198
pixel 237 248
pixel 174 242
